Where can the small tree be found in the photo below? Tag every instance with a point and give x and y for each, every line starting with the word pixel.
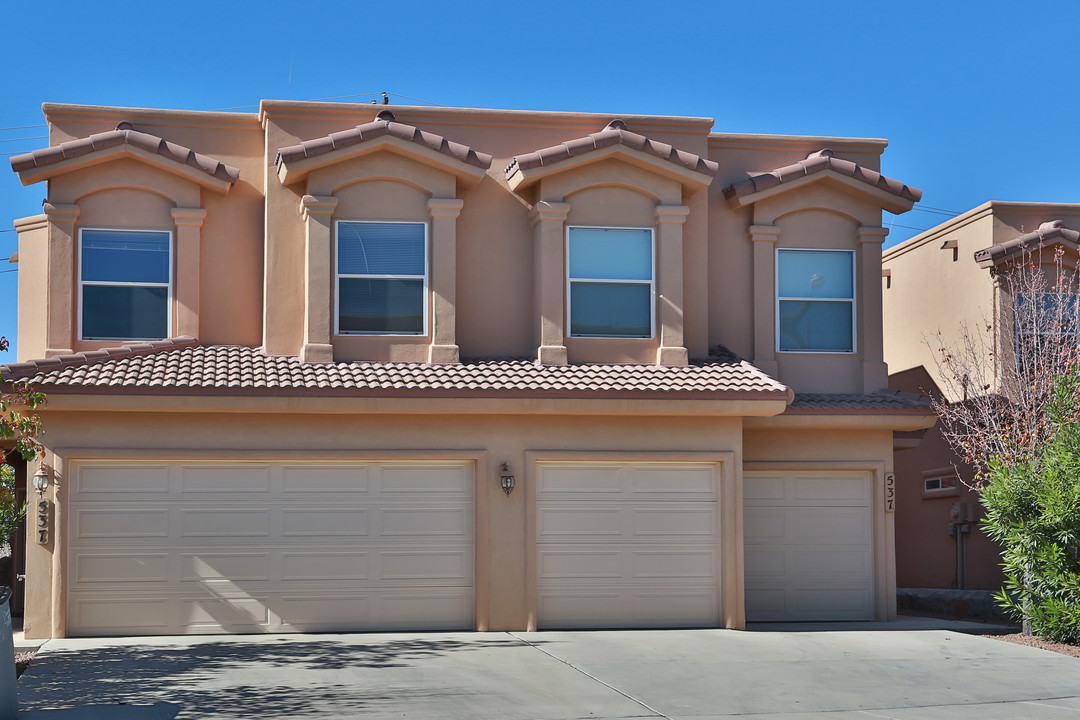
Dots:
pixel 1010 410
pixel 19 423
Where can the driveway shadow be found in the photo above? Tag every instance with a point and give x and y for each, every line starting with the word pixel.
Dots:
pixel 277 677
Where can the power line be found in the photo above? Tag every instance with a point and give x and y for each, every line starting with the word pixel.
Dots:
pixel 7 271
pixel 36 137
pixel 23 127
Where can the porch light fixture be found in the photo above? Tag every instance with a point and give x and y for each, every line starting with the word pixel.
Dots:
pixel 41 480
pixel 506 480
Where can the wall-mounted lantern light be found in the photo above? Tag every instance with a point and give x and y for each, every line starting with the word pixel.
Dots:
pixel 506 479
pixel 41 480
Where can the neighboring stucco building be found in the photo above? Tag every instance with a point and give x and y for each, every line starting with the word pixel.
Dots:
pixel 934 282
pixel 293 358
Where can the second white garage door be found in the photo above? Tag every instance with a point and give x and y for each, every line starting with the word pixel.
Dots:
pixel 628 545
pixel 809 545
pixel 175 547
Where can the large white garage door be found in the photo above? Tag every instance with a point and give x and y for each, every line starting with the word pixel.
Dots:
pixel 625 545
pixel 170 548
pixel 808 546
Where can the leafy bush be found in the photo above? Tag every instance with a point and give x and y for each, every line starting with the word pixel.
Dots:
pixel 1033 510
pixel 11 514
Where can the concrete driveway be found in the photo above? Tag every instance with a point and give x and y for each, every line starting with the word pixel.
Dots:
pixel 837 674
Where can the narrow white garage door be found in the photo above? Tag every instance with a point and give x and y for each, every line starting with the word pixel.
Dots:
pixel 171 548
pixel 808 546
pixel 628 545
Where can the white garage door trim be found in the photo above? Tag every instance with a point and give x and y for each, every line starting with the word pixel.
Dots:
pixel 624 544
pixel 809 544
pixel 191 547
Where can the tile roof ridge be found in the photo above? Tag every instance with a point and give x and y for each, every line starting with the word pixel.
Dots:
pixel 14 371
pixel 815 162
pixel 1047 230
pixel 384 123
pixel 614 133
pixel 124 134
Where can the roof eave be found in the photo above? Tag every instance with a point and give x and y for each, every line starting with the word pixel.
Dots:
pixel 33 175
pixel 298 170
pixel 883 198
pixel 691 180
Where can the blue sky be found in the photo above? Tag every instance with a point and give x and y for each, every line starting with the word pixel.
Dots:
pixel 979 100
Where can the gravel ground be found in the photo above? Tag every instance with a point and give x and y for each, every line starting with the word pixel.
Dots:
pixel 22 661
pixel 1032 641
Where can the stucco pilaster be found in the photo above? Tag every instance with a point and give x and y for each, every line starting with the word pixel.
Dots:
pixel 317 213
pixel 549 249
pixel 764 238
pixel 444 214
pixel 188 281
pixel 875 371
pixel 62 281
pixel 669 276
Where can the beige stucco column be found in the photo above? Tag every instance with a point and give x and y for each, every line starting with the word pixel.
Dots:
pixel 875 371
pixel 764 238
pixel 317 212
pixel 188 283
pixel 669 276
pixel 61 321
pixel 444 213
pixel 549 248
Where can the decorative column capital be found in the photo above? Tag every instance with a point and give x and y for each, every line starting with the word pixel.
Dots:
pixel 764 233
pixel 545 211
pixel 445 207
pixel 60 213
pixel 317 205
pixel 872 235
pixel 188 217
pixel 671 214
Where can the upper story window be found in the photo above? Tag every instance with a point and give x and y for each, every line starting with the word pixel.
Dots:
pixel 815 302
pixel 382 278
pixel 124 284
pixel 1045 323
pixel 611 282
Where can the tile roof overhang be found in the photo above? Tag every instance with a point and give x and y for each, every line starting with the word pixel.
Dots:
pixel 295 162
pixel 823 165
pixel 692 171
pixel 1052 232
pixel 885 399
pixel 124 142
pixel 181 366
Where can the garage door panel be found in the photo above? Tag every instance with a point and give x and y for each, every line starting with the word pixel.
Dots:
pixel 122 524
pixel 217 479
pixel 808 550
pixel 122 568
pixel 348 480
pixel 238 560
pixel 623 545
pixel 224 523
pixel 149 479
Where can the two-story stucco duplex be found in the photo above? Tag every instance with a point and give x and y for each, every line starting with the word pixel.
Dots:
pixel 294 357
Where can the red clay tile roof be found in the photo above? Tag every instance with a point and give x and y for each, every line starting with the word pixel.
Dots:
pixel 614 134
pixel 1048 231
pixel 179 365
pixel 384 124
pixel 884 399
pixel 816 162
pixel 124 134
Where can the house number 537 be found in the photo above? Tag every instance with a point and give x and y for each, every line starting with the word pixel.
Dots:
pixel 890 492
pixel 43 522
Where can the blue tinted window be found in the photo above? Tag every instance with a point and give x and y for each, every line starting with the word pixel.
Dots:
pixel 610 309
pixel 373 305
pixel 379 248
pixel 820 326
pixel 814 274
pixel 125 256
pixel 610 253
pixel 126 312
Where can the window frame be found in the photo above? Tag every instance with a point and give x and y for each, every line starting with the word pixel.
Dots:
pixel 425 309
pixel 942 490
pixel 170 285
pixel 651 283
pixel 852 301
pixel 1019 333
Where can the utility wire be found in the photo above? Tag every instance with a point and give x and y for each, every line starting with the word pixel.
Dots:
pixel 22 127
pixel 36 137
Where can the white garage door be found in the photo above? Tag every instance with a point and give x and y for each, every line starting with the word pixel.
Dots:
pixel 171 548
pixel 808 546
pixel 625 545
